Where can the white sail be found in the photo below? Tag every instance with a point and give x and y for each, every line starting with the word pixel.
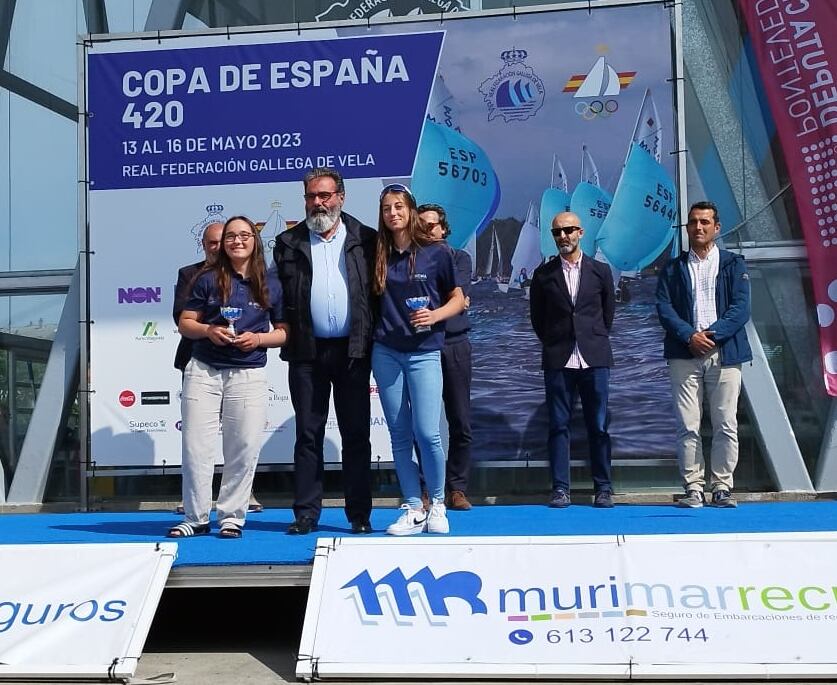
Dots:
pixel 444 109
pixel 559 176
pixel 613 86
pixel 527 252
pixel 489 262
pixel 594 81
pixel 589 170
pixel 498 254
pixel 648 131
pixel 471 249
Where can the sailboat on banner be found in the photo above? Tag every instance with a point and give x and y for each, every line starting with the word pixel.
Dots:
pixel 494 263
pixel 527 254
pixel 591 203
pixel 640 222
pixel 602 80
pixel 471 249
pixel 555 199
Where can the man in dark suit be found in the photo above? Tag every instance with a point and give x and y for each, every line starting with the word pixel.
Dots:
pixel 211 243
pixel 456 370
pixel 325 264
pixel 572 306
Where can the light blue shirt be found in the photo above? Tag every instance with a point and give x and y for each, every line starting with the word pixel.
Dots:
pixel 330 310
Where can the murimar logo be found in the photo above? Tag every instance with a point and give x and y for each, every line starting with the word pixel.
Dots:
pixel 138 295
pixel 404 595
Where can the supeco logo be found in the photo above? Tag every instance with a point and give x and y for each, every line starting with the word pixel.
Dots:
pixel 137 295
pixel 460 585
pixel 158 426
pixel 127 398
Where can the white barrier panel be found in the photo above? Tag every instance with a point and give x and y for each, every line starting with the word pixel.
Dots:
pixel 696 606
pixel 78 611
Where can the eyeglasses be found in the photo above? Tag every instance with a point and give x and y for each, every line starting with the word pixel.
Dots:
pixel 397 188
pixel 322 196
pixel 232 237
pixel 566 230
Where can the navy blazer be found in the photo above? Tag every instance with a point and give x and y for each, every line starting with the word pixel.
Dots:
pixel 185 280
pixel 560 325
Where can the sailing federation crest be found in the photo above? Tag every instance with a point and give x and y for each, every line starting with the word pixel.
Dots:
pixel 515 92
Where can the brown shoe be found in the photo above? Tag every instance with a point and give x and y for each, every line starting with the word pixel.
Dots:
pixel 425 501
pixel 458 501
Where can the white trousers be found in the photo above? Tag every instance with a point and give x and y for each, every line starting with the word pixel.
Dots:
pixel 243 393
pixel 691 380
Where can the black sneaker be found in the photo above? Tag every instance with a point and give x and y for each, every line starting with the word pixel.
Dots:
pixel 603 499
pixel 559 499
pixel 723 499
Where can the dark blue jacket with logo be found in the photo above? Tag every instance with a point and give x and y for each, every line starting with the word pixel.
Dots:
pixel 675 307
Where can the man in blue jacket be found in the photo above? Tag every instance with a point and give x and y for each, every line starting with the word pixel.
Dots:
pixel 703 302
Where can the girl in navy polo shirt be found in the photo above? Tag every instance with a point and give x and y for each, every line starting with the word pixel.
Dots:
pixel 406 358
pixel 230 370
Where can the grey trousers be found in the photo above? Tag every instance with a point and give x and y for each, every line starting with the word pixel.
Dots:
pixel 691 381
pixel 244 395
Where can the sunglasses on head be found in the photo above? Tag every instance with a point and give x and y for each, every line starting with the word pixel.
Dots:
pixel 397 188
pixel 567 230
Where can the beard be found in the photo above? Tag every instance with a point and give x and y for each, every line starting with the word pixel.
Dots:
pixel 321 220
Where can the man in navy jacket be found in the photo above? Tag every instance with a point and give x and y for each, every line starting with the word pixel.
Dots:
pixel 703 302
pixel 572 306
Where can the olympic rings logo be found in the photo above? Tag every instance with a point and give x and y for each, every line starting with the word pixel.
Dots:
pixel 596 108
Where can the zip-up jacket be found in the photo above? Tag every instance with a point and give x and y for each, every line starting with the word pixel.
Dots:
pixel 292 255
pixel 675 308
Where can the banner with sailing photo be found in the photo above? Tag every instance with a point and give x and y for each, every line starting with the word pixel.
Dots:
pixel 503 120
pixel 556 111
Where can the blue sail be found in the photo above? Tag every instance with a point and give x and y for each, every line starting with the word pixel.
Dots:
pixel 455 172
pixel 553 201
pixel 591 204
pixel 639 224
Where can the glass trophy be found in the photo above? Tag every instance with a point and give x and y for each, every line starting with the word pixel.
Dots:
pixel 231 314
pixel 416 303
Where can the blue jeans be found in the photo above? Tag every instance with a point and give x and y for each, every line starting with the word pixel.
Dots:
pixel 562 388
pixel 410 388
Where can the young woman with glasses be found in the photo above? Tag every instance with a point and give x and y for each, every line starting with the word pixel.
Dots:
pixel 227 366
pixel 415 279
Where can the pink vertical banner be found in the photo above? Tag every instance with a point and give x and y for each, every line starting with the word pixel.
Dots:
pixel 795 42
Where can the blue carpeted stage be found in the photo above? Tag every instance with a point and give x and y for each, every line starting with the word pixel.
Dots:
pixel 267 556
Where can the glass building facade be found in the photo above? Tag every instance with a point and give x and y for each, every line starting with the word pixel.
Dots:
pixel 733 158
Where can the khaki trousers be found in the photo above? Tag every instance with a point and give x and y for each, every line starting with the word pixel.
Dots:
pixel 691 381
pixel 244 396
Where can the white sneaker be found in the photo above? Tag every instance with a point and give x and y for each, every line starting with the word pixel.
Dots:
pixel 410 522
pixel 437 519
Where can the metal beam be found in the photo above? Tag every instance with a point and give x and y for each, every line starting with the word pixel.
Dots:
pixel 39 96
pixel 96 16
pixel 34 282
pixel 827 463
pixel 7 11
pixel 58 389
pixel 770 420
pixel 165 15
